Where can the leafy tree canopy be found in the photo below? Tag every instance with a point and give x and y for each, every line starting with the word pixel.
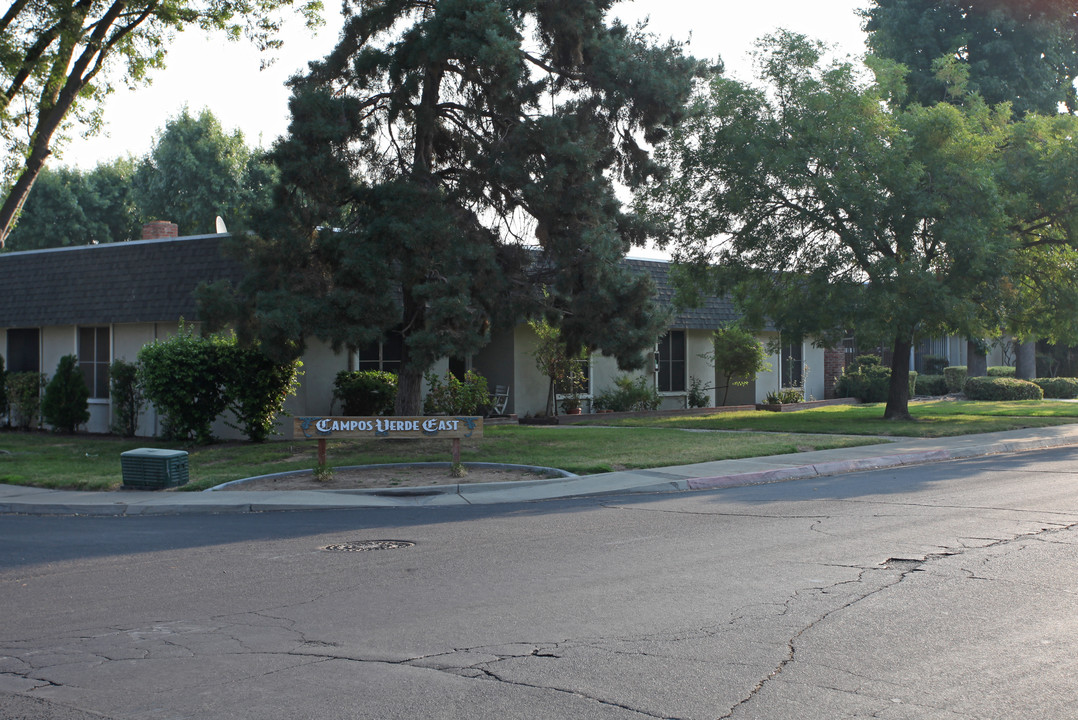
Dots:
pixel 55 58
pixel 435 139
pixel 197 171
pixel 1024 52
pixel 824 207
pixel 70 207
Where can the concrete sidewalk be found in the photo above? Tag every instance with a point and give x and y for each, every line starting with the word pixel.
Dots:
pixel 725 473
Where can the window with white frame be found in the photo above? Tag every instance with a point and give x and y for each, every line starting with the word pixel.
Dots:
pixel 94 357
pixel 792 364
pixel 385 355
pixel 671 365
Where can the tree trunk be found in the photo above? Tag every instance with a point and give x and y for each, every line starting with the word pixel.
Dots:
pixel 409 391
pixel 898 395
pixel 976 360
pixel 1025 361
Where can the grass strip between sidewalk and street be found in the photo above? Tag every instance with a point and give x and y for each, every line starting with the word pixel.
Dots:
pixel 91 462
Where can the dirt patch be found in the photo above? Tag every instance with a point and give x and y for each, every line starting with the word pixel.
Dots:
pixel 388 477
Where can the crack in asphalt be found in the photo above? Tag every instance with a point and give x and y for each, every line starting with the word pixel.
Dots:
pixel 907 566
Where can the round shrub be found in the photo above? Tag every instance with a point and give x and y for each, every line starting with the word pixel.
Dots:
pixel 453 396
pixel 365 392
pixel 1059 388
pixel 1001 388
pixel 931 385
pixel 955 377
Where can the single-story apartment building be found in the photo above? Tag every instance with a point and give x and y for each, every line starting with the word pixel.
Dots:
pixel 105 302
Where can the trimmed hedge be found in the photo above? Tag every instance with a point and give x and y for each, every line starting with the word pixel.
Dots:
pixel 931 385
pixel 934 364
pixel 1001 388
pixel 1001 371
pixel 955 377
pixel 1059 388
pixel 868 380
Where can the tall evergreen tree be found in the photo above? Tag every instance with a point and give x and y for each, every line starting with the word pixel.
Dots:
pixel 435 139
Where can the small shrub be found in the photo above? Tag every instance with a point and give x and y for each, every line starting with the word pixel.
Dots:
pixel 698 397
pixel 629 395
pixel 1001 389
pixel 66 403
pixel 469 396
pixel 865 379
pixel 931 385
pixel 366 392
pixel 934 364
pixel 955 377
pixel 24 398
pixel 913 383
pixel 1058 388
pixel 255 387
pixel 1001 371
pixel 127 399
pixel 786 396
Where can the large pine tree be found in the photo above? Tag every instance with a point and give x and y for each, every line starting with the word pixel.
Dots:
pixel 432 147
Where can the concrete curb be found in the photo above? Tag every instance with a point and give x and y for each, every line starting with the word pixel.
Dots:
pixel 876 463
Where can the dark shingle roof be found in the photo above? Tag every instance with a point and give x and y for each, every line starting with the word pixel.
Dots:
pixel 154 281
pixel 139 281
pixel 714 313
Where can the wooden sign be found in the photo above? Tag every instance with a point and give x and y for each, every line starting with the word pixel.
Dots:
pixel 321 428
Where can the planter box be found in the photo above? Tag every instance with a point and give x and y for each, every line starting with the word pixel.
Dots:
pixel 794 407
pixel 553 420
pixel 153 468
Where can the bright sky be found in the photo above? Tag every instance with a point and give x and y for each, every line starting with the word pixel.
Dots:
pixel 211 72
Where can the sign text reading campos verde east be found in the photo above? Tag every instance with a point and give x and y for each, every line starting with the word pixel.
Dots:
pixel 386 427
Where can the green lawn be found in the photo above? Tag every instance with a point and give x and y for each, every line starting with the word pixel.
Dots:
pixel 93 462
pixel 56 461
pixel 937 418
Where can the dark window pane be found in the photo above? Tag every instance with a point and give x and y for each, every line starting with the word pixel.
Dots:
pixel 100 389
pixel 393 348
pixel 102 354
pixel 23 350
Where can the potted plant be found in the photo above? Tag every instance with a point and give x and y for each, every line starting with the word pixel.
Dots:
pixel 571 405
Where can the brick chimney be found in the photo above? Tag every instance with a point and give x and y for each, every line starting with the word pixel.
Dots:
pixel 156 229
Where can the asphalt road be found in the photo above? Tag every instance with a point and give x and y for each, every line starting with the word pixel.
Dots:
pixel 938 591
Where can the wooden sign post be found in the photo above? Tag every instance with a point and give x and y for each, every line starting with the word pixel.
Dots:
pixel 322 428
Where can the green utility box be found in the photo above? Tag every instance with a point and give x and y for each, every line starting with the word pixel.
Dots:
pixel 153 468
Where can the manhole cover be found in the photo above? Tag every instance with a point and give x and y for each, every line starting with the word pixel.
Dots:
pixel 365 545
